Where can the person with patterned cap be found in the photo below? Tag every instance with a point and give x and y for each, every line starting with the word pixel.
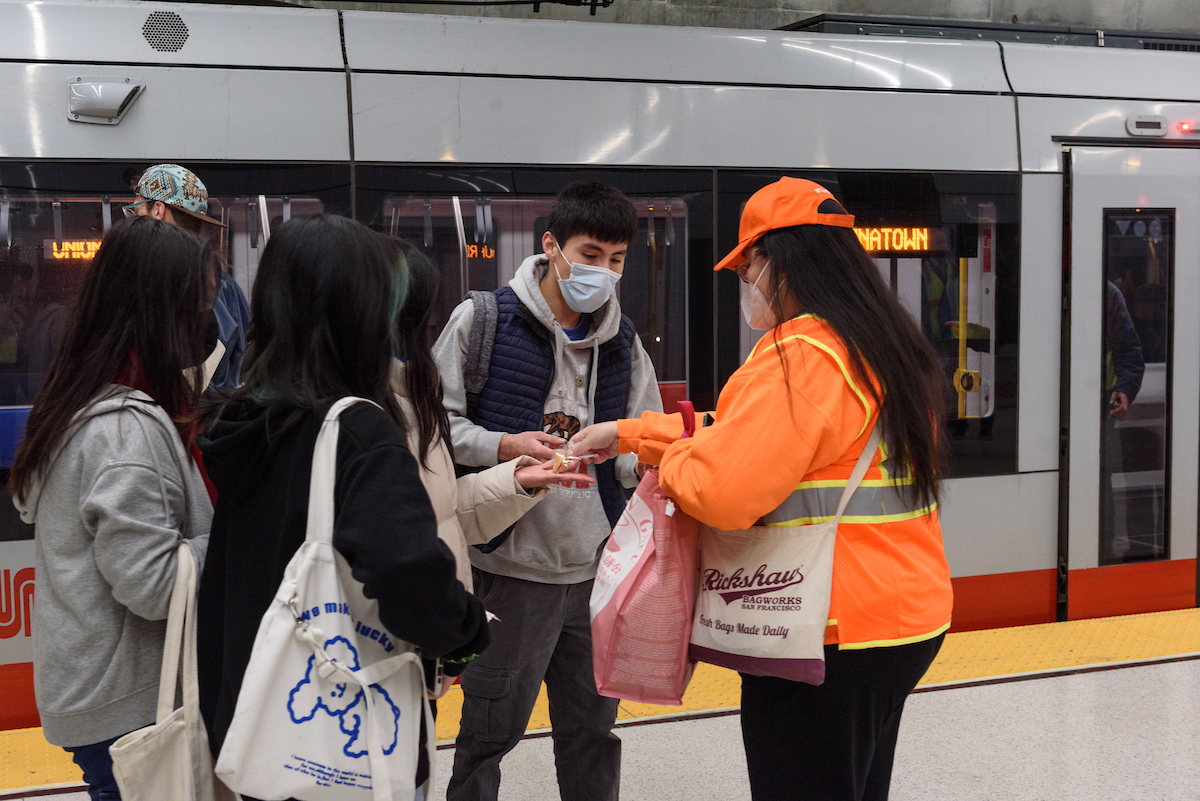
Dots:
pixel 841 358
pixel 175 195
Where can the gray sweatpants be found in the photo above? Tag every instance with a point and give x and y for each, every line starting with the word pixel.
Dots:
pixel 544 632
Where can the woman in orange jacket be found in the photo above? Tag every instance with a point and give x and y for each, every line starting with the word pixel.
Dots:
pixel 841 355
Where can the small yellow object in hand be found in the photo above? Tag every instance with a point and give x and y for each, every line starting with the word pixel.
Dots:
pixel 562 462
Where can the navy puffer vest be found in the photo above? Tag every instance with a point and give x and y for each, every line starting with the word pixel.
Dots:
pixel 522 370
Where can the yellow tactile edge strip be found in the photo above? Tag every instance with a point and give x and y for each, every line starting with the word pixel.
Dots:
pixel 965 657
pixel 1052 672
pixel 27 761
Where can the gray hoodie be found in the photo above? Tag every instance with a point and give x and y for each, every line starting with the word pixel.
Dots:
pixel 109 513
pixel 558 541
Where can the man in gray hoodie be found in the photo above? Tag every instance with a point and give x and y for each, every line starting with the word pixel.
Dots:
pixel 562 357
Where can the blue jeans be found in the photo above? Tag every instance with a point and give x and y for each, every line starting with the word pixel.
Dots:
pixel 97 768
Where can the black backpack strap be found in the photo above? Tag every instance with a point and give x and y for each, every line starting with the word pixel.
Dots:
pixel 479 352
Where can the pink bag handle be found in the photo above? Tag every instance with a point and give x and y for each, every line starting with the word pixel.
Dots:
pixel 689 418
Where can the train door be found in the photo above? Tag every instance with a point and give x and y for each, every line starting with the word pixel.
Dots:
pixel 480 242
pixel 1131 381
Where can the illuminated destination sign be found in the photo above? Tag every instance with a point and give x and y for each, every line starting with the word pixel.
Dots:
pixel 897 240
pixel 80 249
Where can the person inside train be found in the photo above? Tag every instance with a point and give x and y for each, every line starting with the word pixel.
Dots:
pixel 326 303
pixel 57 286
pixel 174 194
pixel 562 356
pixel 476 507
pixel 109 475
pixel 841 356
pixel 1124 367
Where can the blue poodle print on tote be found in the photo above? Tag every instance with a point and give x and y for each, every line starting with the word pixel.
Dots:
pixel 345 701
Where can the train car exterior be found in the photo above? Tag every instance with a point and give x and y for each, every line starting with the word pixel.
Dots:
pixel 1017 197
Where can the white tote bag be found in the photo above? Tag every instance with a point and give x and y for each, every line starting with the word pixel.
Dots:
pixel 331 704
pixel 763 601
pixel 171 759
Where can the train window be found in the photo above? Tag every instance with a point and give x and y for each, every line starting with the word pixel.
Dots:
pixel 481 242
pixel 490 222
pixel 53 216
pixel 46 246
pixel 947 244
pixel 1139 256
pixel 249 222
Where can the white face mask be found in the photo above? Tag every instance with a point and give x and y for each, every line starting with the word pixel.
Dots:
pixel 756 310
pixel 588 287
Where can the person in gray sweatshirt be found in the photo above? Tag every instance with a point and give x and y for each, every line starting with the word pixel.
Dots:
pixel 562 356
pixel 108 474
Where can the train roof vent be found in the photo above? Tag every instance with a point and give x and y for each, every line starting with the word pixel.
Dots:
pixel 1183 47
pixel 165 31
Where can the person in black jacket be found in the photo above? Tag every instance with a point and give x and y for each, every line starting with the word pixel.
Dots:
pixel 1124 367
pixel 324 305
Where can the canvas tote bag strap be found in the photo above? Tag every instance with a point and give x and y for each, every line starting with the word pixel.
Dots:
pixel 430 738
pixel 373 674
pixel 381 775
pixel 181 613
pixel 860 470
pixel 189 670
pixel 320 529
pixel 324 473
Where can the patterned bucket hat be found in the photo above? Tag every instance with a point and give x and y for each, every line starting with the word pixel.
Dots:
pixel 177 187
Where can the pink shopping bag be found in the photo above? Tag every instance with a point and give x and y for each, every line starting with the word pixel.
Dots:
pixel 643 600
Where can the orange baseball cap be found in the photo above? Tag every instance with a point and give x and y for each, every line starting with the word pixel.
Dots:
pixel 787 202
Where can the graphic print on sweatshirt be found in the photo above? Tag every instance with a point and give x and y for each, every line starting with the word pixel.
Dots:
pixel 566 409
pixel 344 701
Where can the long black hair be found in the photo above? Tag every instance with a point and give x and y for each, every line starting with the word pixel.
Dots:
pixel 826 272
pixel 416 330
pixel 147 295
pixel 323 317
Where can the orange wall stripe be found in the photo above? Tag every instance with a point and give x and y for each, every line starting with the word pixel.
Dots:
pixel 19 711
pixel 1003 599
pixel 1131 589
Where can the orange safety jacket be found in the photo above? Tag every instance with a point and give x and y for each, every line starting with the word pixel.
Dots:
pixel 780 453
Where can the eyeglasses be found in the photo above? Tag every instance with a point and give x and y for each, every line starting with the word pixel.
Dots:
pixel 744 267
pixel 129 210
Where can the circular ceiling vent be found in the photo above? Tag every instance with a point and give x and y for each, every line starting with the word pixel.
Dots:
pixel 165 31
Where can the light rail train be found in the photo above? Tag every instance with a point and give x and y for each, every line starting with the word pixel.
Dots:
pixel 1016 196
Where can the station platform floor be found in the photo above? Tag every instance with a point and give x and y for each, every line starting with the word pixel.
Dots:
pixel 1092 709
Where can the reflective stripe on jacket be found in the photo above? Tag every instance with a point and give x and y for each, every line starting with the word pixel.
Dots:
pixel 780 453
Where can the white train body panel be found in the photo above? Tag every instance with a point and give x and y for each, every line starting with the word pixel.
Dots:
pixel 524 121
pixel 196 113
pixel 654 54
pixel 1041 313
pixel 100 31
pixel 1035 69
pixel 984 534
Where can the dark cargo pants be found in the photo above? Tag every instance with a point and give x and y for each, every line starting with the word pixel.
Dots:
pixel 543 631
